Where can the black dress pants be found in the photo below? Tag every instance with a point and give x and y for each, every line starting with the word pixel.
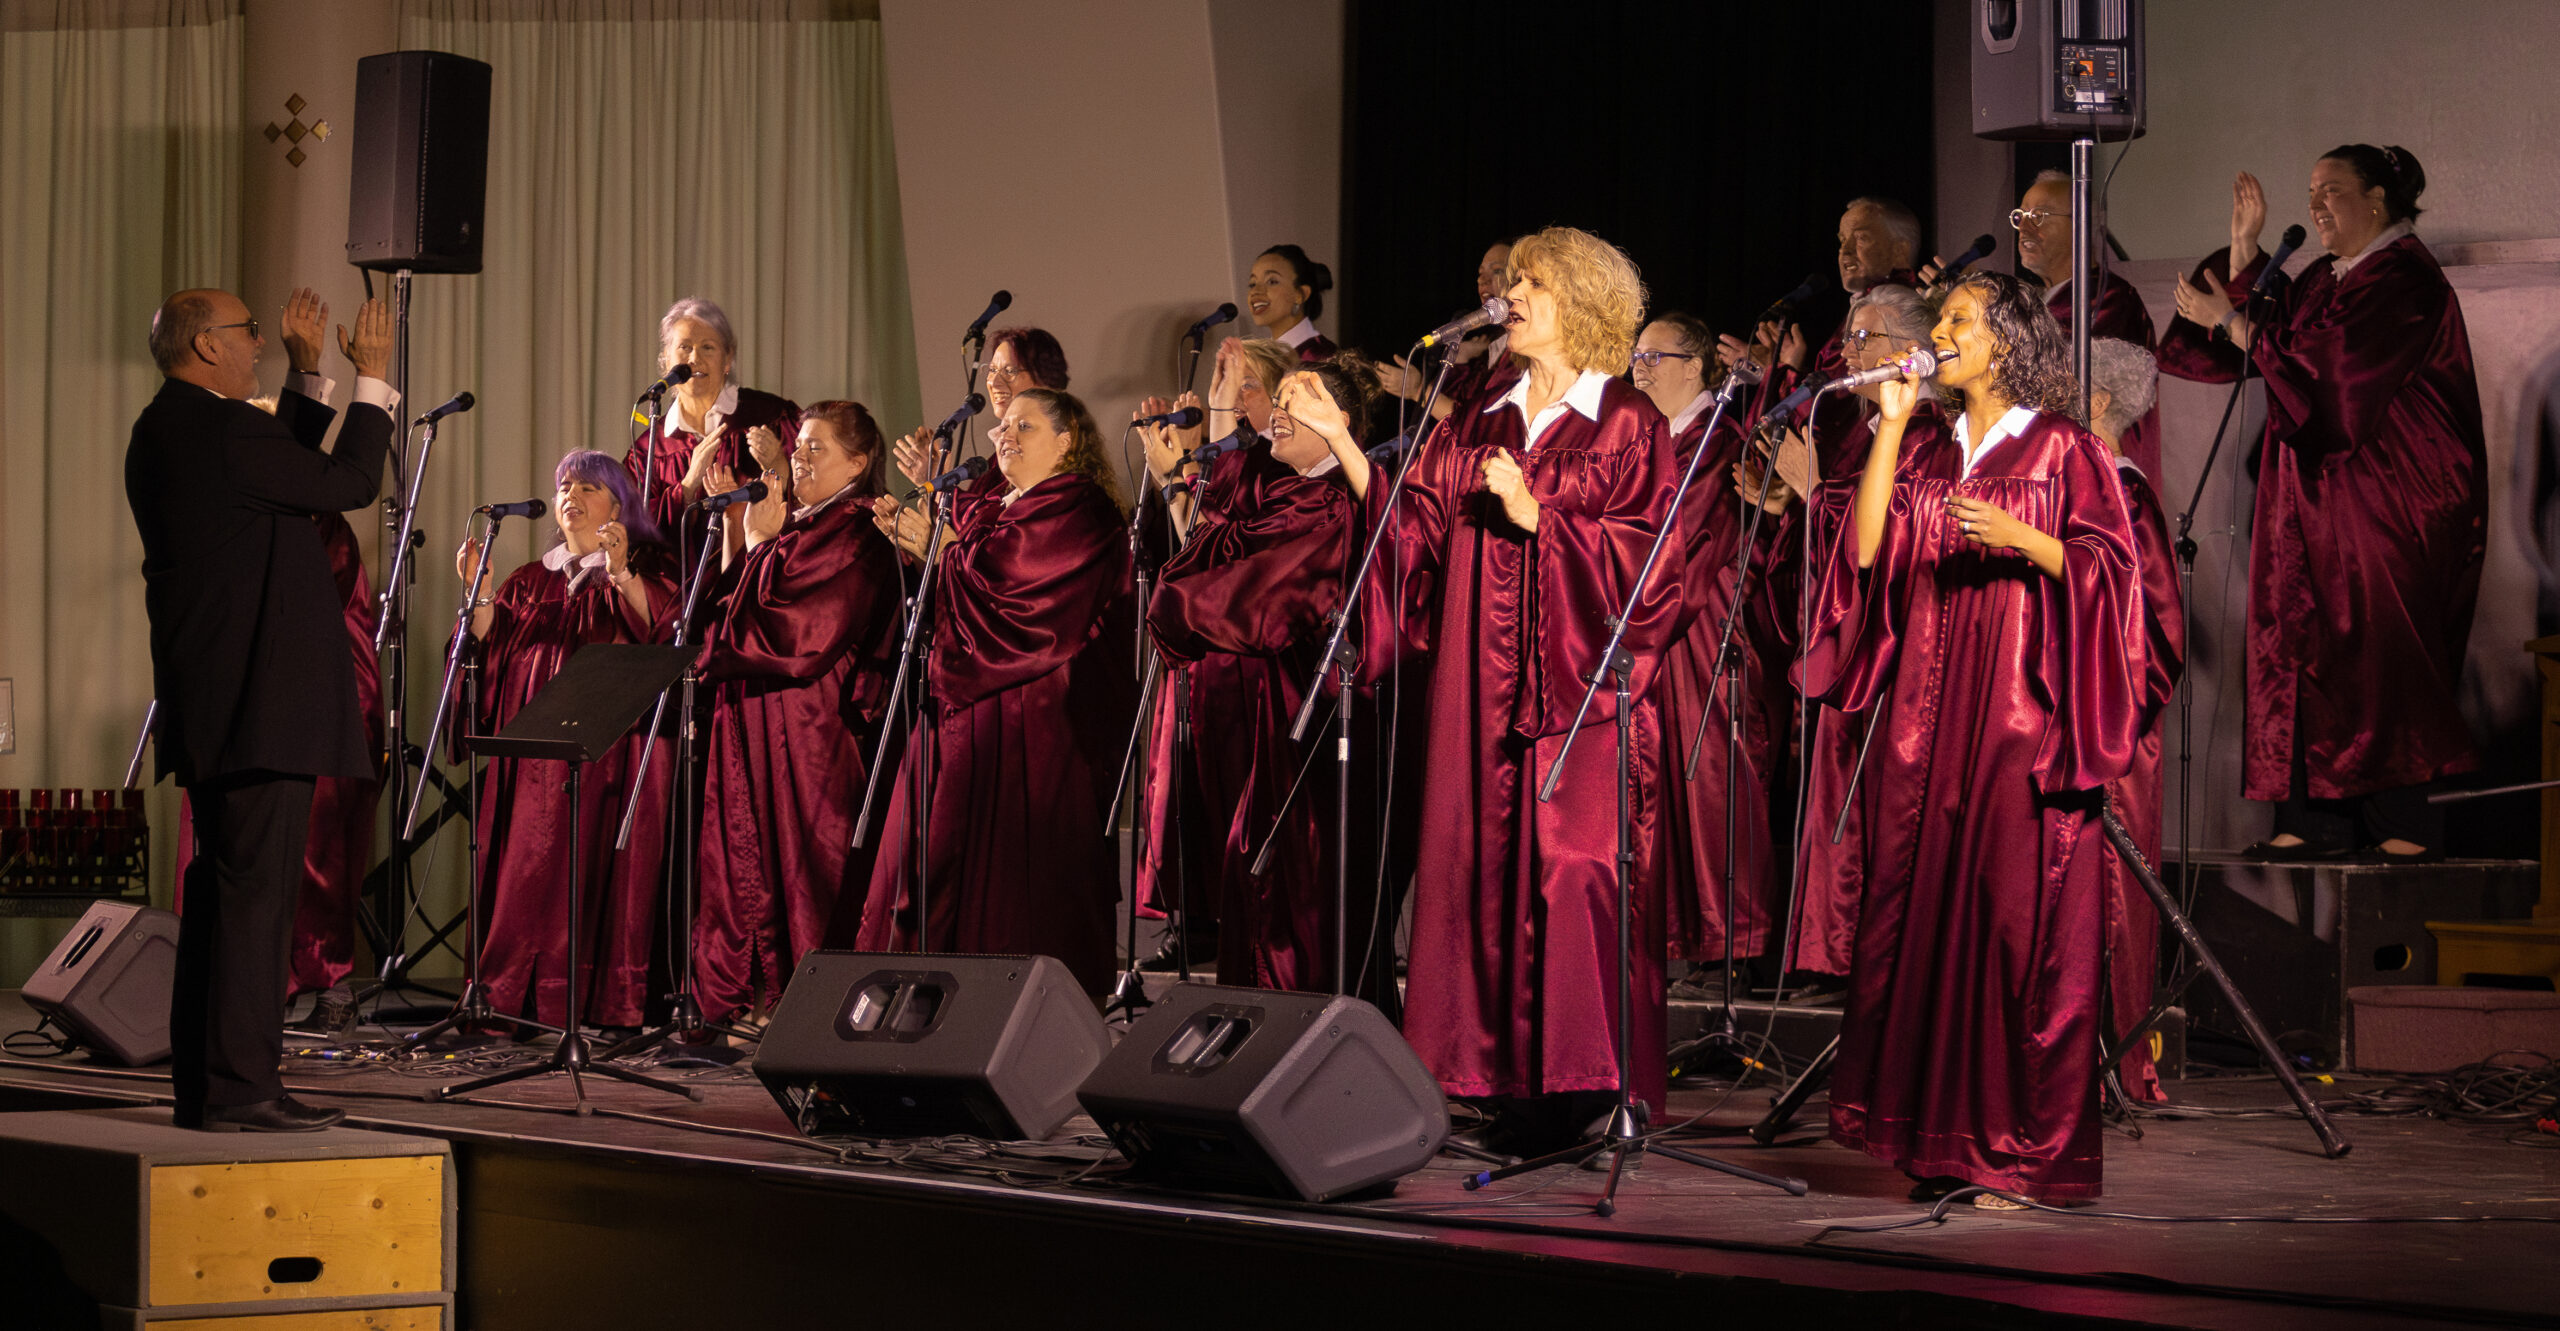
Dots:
pixel 226 1016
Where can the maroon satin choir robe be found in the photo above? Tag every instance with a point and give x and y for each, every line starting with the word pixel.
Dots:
pixel 1971 1039
pixel 1031 702
pixel 340 850
pixel 1696 809
pixel 2133 926
pixel 1317 350
pixel 1245 607
pixel 1833 879
pixel 796 671
pixel 2116 310
pixel 663 492
pixel 537 624
pixel 1513 974
pixel 2369 528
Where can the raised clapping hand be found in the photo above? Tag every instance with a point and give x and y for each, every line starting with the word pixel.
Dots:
pixel 370 349
pixel 2248 219
pixel 902 525
pixel 2208 304
pixel 1223 375
pixel 763 519
pixel 766 447
pixel 914 456
pixel 698 469
pixel 304 326
pixel 1504 480
pixel 1167 450
pixel 1747 481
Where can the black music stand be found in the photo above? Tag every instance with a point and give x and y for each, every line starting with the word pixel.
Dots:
pixel 576 719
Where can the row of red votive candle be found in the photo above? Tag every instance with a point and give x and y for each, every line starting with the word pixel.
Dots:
pixel 48 841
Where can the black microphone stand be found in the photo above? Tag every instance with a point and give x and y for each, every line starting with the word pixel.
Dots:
pixel 1137 761
pixel 1624 1132
pixel 684 1010
pixel 911 658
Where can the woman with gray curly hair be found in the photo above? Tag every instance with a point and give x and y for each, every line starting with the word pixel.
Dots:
pixel 1986 606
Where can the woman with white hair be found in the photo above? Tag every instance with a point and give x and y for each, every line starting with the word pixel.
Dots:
pixel 2123 379
pixel 707 420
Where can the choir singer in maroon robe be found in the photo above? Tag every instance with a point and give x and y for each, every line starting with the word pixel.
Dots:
pixel 607 581
pixel 797 667
pixel 1283 294
pixel 2122 385
pixel 2371 516
pixel 1030 700
pixel 707 420
pixel 1523 524
pixel 2043 222
pixel 1985 607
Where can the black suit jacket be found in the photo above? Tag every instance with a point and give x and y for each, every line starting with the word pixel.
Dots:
pixel 248 638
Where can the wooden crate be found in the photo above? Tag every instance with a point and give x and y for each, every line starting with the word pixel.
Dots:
pixel 432 1316
pixel 152 1217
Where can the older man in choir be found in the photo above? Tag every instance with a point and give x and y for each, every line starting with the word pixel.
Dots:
pixel 1879 242
pixel 2043 222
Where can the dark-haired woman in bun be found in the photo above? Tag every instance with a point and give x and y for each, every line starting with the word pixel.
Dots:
pixel 1984 607
pixel 1284 292
pixel 2371 512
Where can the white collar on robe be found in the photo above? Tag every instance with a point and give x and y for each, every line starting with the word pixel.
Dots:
pixel 2017 422
pixel 557 560
pixel 1327 463
pixel 1583 397
pixel 808 511
pixel 1689 414
pixel 2390 233
pixel 1300 333
pixel 722 408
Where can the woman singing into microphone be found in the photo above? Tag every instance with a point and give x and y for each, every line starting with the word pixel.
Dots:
pixel 797 668
pixel 707 421
pixel 1985 604
pixel 1522 526
pixel 1030 699
pixel 608 580
pixel 1283 294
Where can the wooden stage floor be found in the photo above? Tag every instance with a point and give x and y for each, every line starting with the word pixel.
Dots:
pixel 656 1211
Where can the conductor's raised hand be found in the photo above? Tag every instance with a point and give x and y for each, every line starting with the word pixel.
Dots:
pixel 305 329
pixel 369 350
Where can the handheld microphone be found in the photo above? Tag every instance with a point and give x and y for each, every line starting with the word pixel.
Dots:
pixel 1494 310
pixel 463 402
pixel 969 470
pixel 1921 364
pixel 1223 314
pixel 2267 276
pixel 996 305
pixel 524 508
pixel 1786 304
pixel 677 375
pixel 1974 253
pixel 1180 420
pixel 977 403
pixel 749 493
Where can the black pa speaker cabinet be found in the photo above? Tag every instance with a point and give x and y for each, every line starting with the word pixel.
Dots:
pixel 896 1044
pixel 1269 1093
pixel 421 163
pixel 2057 69
pixel 107 983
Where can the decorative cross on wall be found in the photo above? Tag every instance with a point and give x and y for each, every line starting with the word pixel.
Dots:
pixel 294 131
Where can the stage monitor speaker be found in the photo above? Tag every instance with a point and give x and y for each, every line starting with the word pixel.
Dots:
pixel 421 163
pixel 2056 70
pixel 898 1044
pixel 107 983
pixel 1265 1092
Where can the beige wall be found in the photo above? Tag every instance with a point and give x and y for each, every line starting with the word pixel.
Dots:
pixel 1155 153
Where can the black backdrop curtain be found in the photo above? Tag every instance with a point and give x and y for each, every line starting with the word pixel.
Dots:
pixel 1714 142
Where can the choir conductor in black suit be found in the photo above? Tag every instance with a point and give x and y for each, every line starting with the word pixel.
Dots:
pixel 249 657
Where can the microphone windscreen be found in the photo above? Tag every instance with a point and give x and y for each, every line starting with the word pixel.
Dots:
pixel 680 373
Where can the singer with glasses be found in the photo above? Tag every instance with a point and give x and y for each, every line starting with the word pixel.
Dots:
pixel 608 580
pixel 1284 295
pixel 797 666
pixel 708 417
pixel 1984 606
pixel 1520 530
pixel 1030 698
pixel 1886 323
pixel 1672 362
pixel 2370 521
pixel 1018 358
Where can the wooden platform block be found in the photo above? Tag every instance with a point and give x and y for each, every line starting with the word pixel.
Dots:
pixel 2496 947
pixel 433 1316
pixel 149 1216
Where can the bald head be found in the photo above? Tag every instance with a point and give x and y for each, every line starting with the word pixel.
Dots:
pixel 201 336
pixel 181 317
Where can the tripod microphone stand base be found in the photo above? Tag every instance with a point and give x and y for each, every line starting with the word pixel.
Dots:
pixel 572 1057
pixel 1129 994
pixel 1620 1138
pixel 471 1010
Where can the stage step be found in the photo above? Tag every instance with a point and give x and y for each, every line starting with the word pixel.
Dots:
pixel 2297 937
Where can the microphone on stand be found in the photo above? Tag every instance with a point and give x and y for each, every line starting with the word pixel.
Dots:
pixel 996 305
pixel 463 402
pixel 969 470
pixel 1244 437
pixel 977 403
pixel 1786 304
pixel 1223 314
pixel 1180 420
pixel 1974 253
pixel 674 376
pixel 524 508
pixel 749 493
pixel 2267 276
pixel 1494 310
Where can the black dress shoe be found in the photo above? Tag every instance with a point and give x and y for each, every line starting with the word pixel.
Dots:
pixel 282 1114
pixel 2302 852
pixel 2422 855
